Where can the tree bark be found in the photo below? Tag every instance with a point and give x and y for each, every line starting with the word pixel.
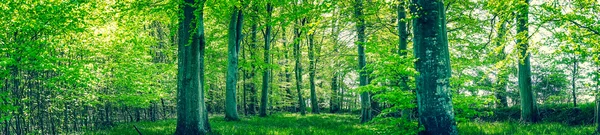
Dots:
pixel 365 99
pixel 267 72
pixel 528 108
pixel 235 37
pixel 312 71
pixel 298 68
pixel 192 116
pixel 433 82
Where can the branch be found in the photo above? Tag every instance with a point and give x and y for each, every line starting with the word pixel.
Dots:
pixel 585 27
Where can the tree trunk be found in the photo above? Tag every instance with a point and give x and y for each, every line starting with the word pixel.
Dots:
pixel 266 73
pixel 288 74
pixel 191 109
pixel 365 99
pixel 298 68
pixel 402 45
pixel 312 72
pixel 528 109
pixel 433 82
pixel 574 90
pixel 502 80
pixel 235 37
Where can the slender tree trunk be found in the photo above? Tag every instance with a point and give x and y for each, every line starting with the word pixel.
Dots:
pixel 433 82
pixel 502 80
pixel 402 45
pixel 235 36
pixel 365 98
pixel 528 108
pixel 312 72
pixel 574 77
pixel 597 97
pixel 298 68
pixel 288 74
pixel 191 109
pixel 266 73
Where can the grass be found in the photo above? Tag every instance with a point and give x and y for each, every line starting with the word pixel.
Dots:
pixel 279 124
pixel 335 124
pixel 515 128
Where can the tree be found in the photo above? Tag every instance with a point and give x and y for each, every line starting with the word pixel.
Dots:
pixel 365 99
pixel 264 99
pixel 312 72
pixel 298 67
pixel 235 37
pixel 433 85
pixel 528 110
pixel 402 45
pixel 192 116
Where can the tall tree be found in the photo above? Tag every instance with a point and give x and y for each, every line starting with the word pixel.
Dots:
pixel 264 99
pixel 235 37
pixel 298 67
pixel 402 45
pixel 192 116
pixel 528 110
pixel 433 82
pixel 365 99
pixel 502 79
pixel 250 85
pixel 311 73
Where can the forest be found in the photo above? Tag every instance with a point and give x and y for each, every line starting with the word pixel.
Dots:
pixel 299 67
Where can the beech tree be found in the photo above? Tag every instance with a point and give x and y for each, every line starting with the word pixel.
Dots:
pixel 192 116
pixel 433 64
pixel 235 38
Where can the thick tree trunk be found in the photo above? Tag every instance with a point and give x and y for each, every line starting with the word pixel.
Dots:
pixel 235 37
pixel 191 109
pixel 365 99
pixel 266 73
pixel 433 82
pixel 528 108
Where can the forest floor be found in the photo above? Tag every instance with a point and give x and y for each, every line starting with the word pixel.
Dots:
pixel 334 124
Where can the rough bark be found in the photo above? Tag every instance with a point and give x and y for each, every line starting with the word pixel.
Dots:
pixel 433 82
pixel 192 117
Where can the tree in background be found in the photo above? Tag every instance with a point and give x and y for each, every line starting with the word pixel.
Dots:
pixel 264 99
pixel 235 38
pixel 365 99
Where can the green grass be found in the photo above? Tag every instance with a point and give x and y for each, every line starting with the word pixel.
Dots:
pixel 338 124
pixel 513 128
pixel 280 124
